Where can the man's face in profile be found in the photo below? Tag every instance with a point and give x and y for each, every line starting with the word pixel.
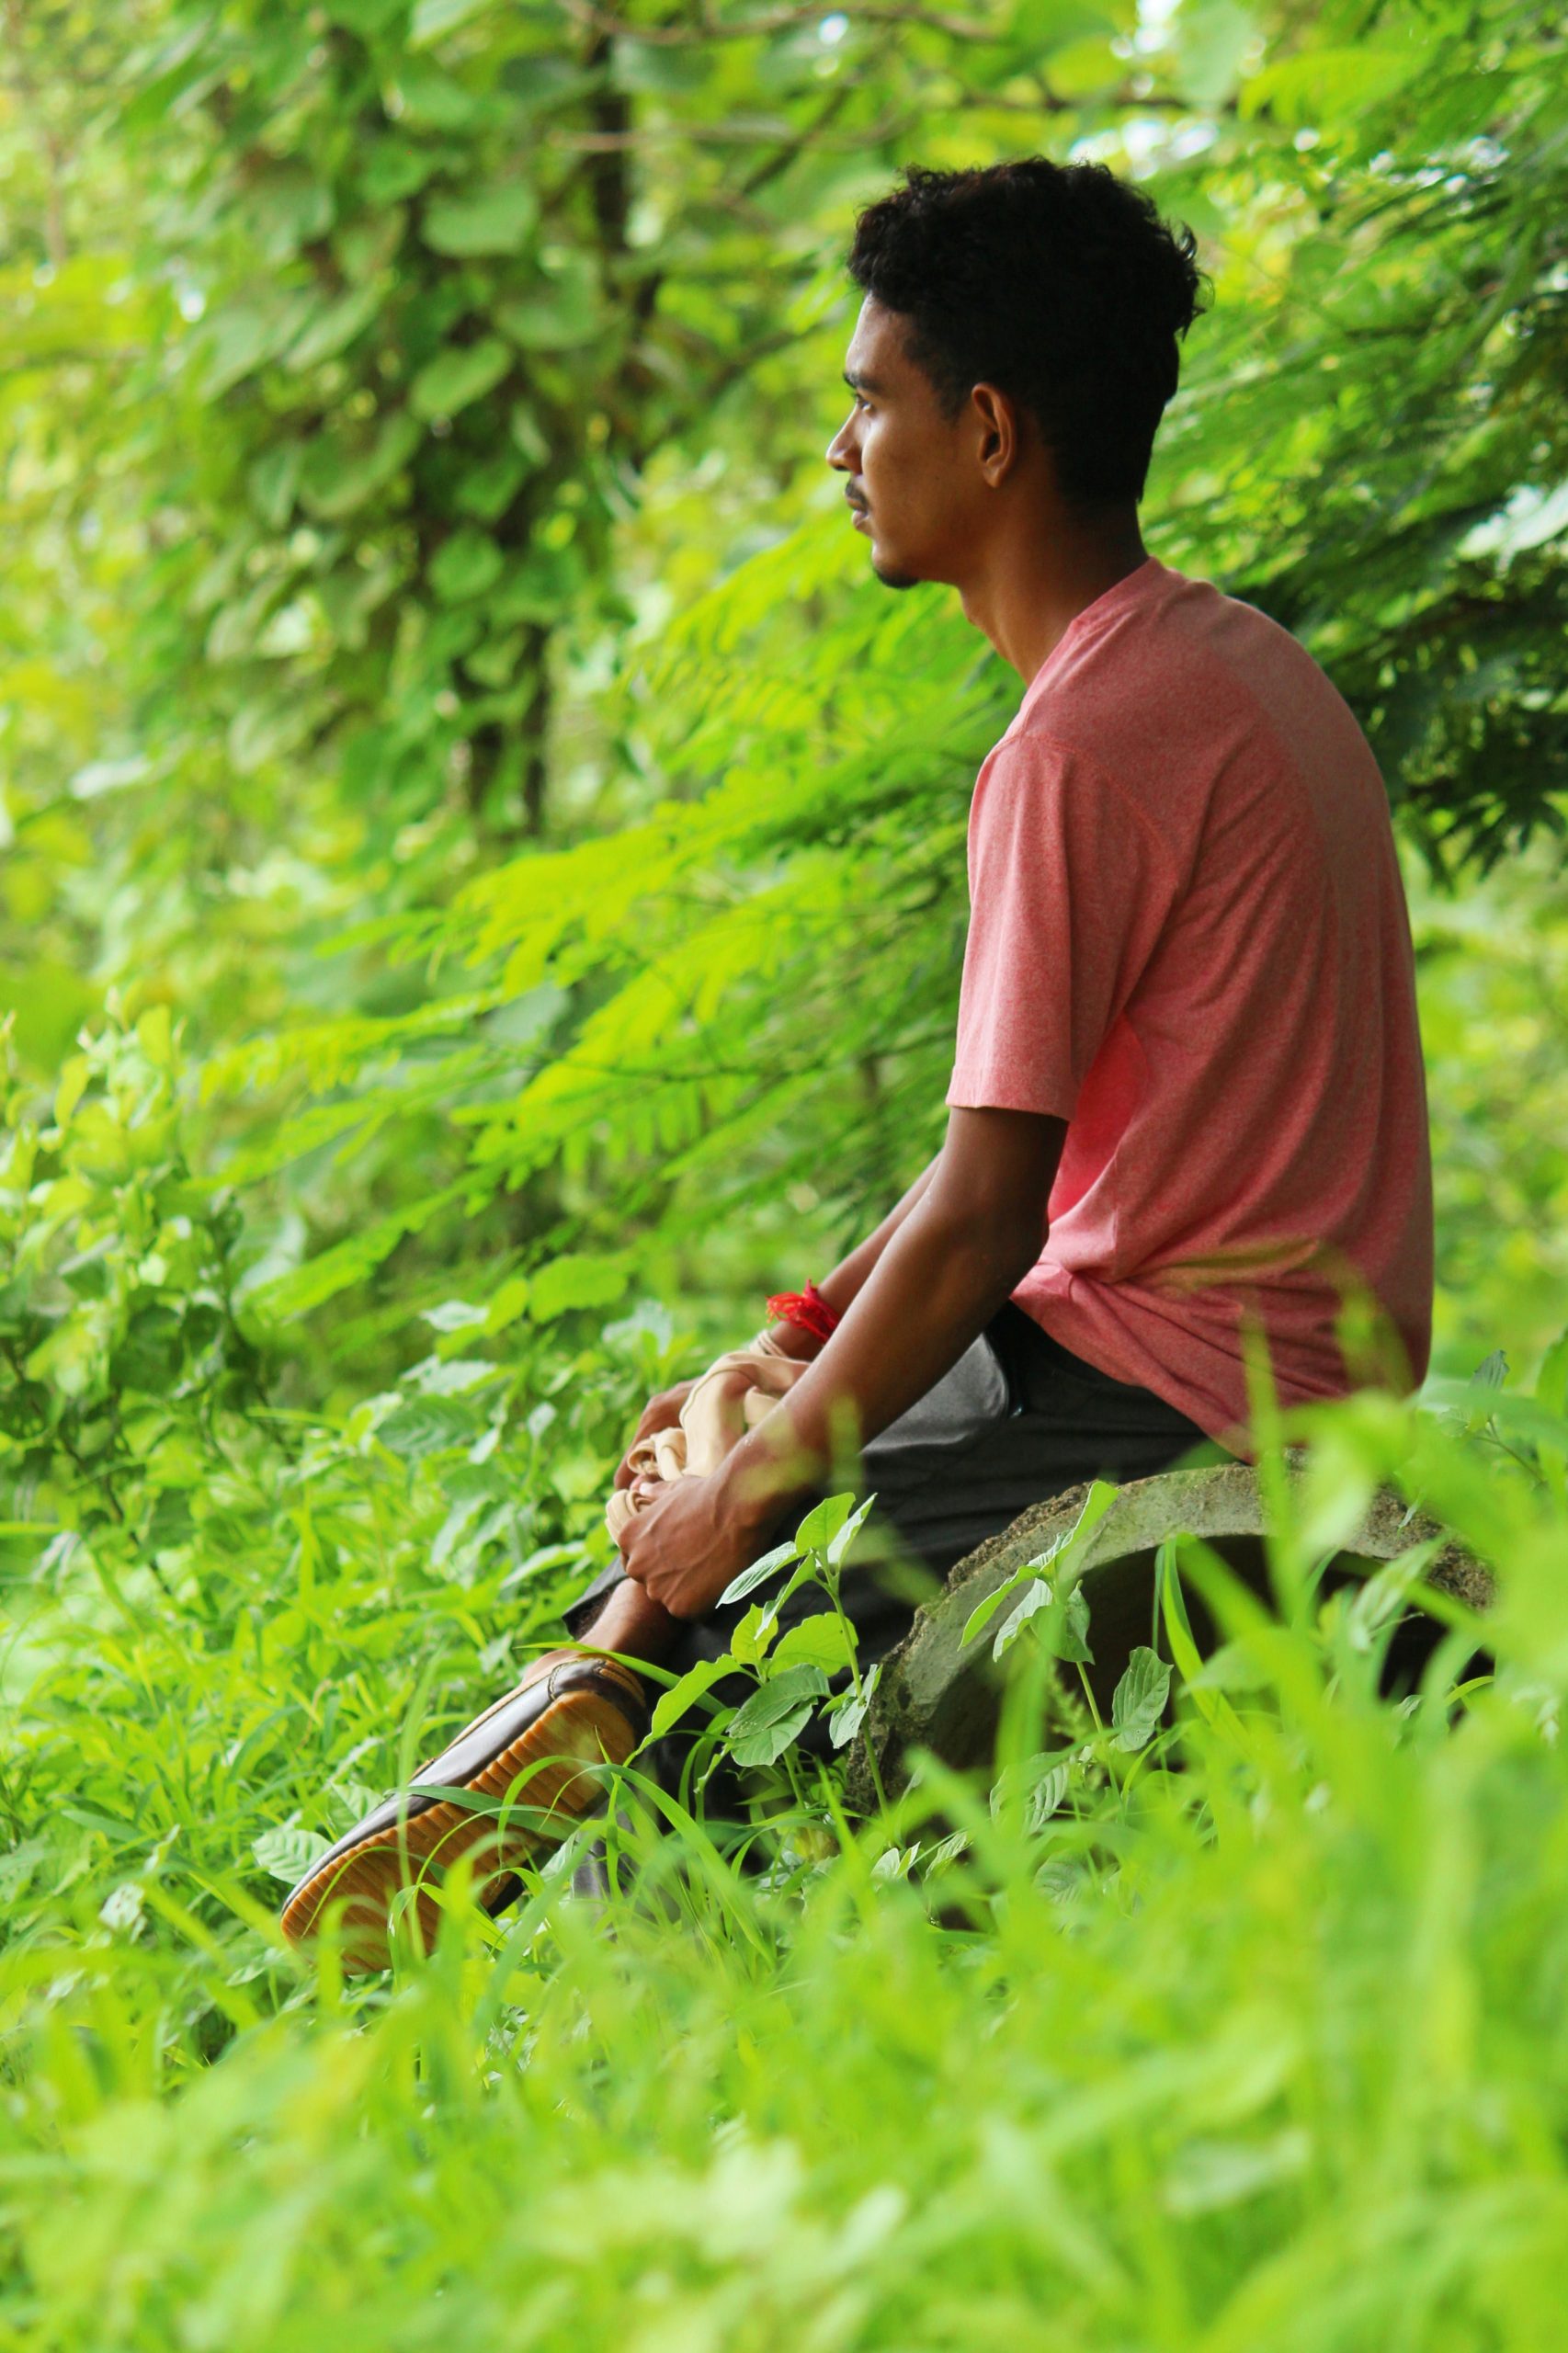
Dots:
pixel 906 480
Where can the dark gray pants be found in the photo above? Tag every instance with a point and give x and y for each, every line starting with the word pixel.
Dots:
pixel 1018 1419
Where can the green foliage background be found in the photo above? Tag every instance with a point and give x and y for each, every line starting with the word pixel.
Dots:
pixel 482 902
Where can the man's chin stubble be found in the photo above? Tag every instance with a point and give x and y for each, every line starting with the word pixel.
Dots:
pixel 895 579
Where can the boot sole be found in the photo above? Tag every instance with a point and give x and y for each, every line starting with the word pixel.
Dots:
pixel 580 1729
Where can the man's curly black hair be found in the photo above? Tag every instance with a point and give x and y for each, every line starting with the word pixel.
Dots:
pixel 1058 283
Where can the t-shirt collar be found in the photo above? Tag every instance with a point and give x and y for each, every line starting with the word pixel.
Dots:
pixel 1106 606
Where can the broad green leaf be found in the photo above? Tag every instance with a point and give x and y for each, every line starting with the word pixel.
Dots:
pixel 363 16
pixel 487 490
pixel 287 1854
pixel 759 1573
pixel 1071 1635
pixel 1041 1783
pixel 750 1641
pixel 822 1522
pixel 1213 38
pixel 454 1315
pixel 1036 1596
pixel 432 18
pixel 838 1543
pixel 452 1376
pixel 288 208
pixel 821 1639
pixel 894 1863
pixel 1060 1619
pixel 393 168
pixel 272 481
pixel 531 441
pixel 467 564
pixel 509 1301
pixel 429 96
pixel 425 1426
pixel 575 1279
pixel 1320 85
pixel 1061 1554
pixel 459 376
pixel 74 1078
pixel 263 730
pixel 944 1854
pixel 561 311
pixel 773 1717
pixel 334 327
pixel 494 221
pixel 336 482
pixel 244 336
pixel 682 1697
pixel 848 1718
pixel 1234 1667
pixel 1139 1701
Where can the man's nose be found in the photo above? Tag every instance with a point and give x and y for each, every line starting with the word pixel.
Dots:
pixel 838 450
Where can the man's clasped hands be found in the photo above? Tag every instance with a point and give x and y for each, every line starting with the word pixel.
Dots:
pixel 689 1511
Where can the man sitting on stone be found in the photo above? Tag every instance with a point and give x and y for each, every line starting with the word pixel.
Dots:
pixel 1186 1097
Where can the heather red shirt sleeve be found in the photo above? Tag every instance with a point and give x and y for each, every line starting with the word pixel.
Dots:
pixel 1069 888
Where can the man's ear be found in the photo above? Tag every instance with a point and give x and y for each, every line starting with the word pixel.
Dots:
pixel 994 415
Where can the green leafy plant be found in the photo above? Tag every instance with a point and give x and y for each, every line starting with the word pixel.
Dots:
pixel 793 1672
pixel 120 1347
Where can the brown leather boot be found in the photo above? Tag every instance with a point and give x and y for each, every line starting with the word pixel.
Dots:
pixel 505 1791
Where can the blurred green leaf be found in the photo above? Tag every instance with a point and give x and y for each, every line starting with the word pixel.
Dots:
pixel 459 376
pixel 493 220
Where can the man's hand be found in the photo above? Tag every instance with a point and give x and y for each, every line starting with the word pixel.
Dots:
pixel 661 1413
pixel 685 1546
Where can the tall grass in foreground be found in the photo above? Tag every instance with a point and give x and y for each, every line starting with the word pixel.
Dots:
pixel 1254 2035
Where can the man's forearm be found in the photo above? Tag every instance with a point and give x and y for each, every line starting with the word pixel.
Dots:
pixel 849 1278
pixel 939 1275
pixel 958 1245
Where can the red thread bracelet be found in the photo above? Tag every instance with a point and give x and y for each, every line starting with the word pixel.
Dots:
pixel 807 1308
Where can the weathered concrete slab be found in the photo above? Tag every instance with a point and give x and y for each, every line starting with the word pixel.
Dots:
pixel 936 1694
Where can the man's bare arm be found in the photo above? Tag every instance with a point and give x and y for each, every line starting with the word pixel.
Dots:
pixel 963 1246
pixel 840 1289
pixel 944 1262
pixel 849 1278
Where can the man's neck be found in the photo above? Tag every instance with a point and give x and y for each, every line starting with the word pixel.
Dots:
pixel 1034 582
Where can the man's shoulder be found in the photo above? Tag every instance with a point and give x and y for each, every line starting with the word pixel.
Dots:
pixel 1185 640
pixel 1179 689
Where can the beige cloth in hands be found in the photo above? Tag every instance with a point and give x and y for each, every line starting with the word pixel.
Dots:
pixel 738 1391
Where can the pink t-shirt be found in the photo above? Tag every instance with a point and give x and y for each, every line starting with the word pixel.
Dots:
pixel 1188 940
